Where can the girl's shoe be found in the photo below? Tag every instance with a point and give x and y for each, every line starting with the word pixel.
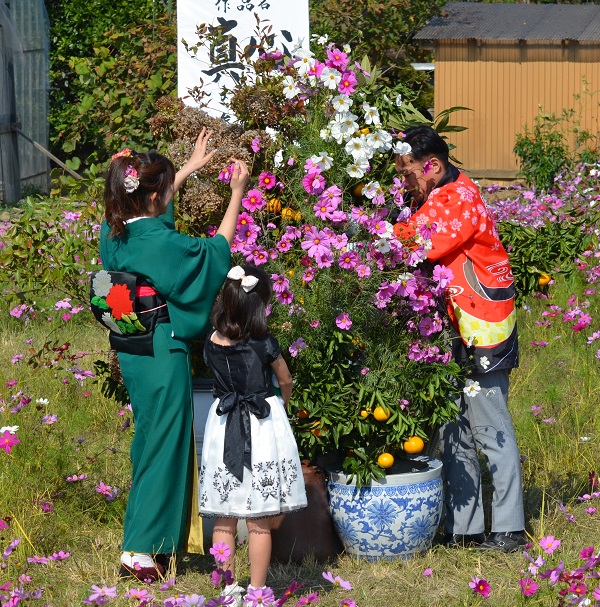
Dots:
pixel 236 592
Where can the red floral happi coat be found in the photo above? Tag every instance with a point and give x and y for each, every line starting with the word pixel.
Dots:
pixel 481 296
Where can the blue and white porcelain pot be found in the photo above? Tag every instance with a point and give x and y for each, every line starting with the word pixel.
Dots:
pixel 395 517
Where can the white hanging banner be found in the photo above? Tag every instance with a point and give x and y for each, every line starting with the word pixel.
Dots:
pixel 218 66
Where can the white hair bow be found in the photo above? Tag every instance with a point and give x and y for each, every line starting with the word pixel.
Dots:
pixel 248 282
pixel 402 148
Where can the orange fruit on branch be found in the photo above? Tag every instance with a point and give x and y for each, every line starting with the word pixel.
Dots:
pixel 381 414
pixel 414 444
pixel 385 460
pixel 302 413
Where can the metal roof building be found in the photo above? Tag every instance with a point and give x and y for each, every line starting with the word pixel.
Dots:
pixel 508 62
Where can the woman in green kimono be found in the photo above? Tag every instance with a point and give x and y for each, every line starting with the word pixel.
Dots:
pixel 182 275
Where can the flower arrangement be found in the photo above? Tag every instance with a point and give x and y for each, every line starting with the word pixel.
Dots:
pixel 358 313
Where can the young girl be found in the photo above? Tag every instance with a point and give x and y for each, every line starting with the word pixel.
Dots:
pixel 250 466
pixel 184 275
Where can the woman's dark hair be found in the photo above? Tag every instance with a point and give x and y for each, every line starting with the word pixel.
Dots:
pixel 155 173
pixel 240 316
pixel 425 143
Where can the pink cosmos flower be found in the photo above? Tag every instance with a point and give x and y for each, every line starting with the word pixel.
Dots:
pixel 221 551
pixel 260 596
pixel 348 83
pixel 325 260
pixel 313 182
pixel 343 321
pixel 255 145
pixel 225 174
pixel 363 271
pixel 316 242
pixel 336 59
pixel 267 180
pixel 244 219
pixel 323 210
pixel 254 201
pixel 313 597
pixel 480 586
pixel 41 560
pixel 104 489
pixel 8 441
pixel 337 580
pixel 333 194
pixel 297 347
pixel 339 241
pixel 443 276
pixel 549 544
pixel 285 297
pixel 348 260
pixel 528 587
pixel 428 572
pixel 280 283
pixel 308 275
pixel 284 245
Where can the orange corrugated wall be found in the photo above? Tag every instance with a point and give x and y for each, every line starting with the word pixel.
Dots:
pixel 504 84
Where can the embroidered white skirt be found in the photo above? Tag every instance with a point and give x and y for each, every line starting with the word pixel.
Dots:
pixel 274 485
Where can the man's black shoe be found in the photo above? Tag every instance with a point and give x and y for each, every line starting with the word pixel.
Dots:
pixel 510 541
pixel 464 541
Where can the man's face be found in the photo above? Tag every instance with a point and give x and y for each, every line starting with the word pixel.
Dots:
pixel 419 179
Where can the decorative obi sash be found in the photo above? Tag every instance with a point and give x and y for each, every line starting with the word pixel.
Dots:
pixel 130 308
pixel 237 449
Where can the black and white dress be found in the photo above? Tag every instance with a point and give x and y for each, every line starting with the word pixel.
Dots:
pixel 250 466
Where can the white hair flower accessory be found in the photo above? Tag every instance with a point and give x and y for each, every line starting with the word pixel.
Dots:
pixel 402 148
pixel 131 181
pixel 248 282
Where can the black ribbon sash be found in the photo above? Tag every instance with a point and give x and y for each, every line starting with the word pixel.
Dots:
pixel 237 449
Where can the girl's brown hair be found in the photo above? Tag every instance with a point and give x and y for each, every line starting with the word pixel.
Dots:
pixel 156 174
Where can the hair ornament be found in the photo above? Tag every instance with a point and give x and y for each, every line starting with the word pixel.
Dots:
pixel 131 181
pixel 127 153
pixel 402 148
pixel 248 282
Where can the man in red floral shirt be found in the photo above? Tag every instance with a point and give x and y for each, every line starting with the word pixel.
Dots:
pixel 482 312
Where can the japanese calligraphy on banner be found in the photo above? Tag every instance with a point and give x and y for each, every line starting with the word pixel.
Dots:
pixel 218 66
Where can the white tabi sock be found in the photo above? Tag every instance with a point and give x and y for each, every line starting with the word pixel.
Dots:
pixel 132 558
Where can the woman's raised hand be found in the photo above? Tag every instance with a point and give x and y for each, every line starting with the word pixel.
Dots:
pixel 199 157
pixel 239 175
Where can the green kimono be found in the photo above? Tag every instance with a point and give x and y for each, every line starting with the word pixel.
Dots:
pixel 162 510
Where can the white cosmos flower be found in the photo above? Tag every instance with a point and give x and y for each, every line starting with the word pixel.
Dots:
pixel 278 158
pixel 342 103
pixel 358 169
pixel 399 100
pixel 330 77
pixel 42 401
pixel 290 90
pixel 9 429
pixel 402 148
pixel 382 246
pixel 472 388
pixel 303 64
pixel 346 48
pixel 335 131
pixel 371 189
pixel 323 160
pixel 371 114
pixel 484 362
pixel 357 148
pixel 325 134
pixel 380 140
pixel 348 124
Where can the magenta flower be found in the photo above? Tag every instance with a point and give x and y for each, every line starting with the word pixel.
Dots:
pixel 260 596
pixel 316 242
pixel 347 83
pixel 103 594
pixel 267 180
pixel 313 597
pixel 221 551
pixel 348 603
pixel 8 441
pixel 343 321
pixel 336 59
pixel 480 586
pixel 313 182
pixel 104 489
pixel 225 174
pixel 549 544
pixel 348 260
pixel 323 210
pixel 443 276
pixel 428 572
pixel 255 145
pixel 297 347
pixel 140 595
pixel 528 587
pixel 60 556
pixel 41 560
pixel 253 201
pixel 363 271
pixel 221 578
pixel 285 297
pixel 337 580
